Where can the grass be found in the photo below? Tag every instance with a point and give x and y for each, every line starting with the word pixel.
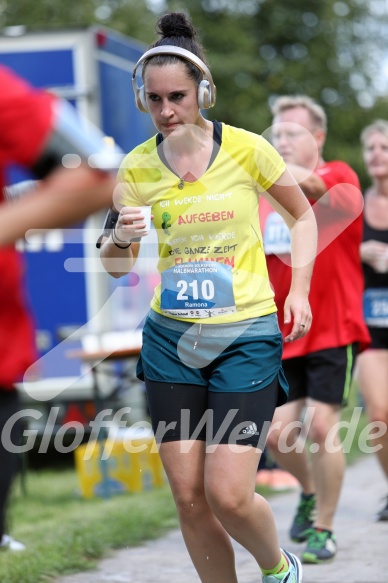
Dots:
pixel 65 533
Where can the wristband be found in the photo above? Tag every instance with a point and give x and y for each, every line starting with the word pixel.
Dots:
pixel 114 236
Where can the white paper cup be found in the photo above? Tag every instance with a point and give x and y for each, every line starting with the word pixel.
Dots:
pixel 146 211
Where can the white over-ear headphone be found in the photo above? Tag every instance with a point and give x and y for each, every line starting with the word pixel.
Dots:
pixel 206 88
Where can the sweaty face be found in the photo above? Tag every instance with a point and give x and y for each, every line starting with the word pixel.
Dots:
pixel 295 137
pixel 171 97
pixel 376 154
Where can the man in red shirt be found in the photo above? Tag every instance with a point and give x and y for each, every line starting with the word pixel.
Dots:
pixel 318 367
pixel 36 131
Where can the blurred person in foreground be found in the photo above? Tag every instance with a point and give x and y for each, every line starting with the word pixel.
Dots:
pixel 319 366
pixel 372 365
pixel 37 130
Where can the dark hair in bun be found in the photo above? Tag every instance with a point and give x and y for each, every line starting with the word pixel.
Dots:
pixel 175 24
pixel 176 29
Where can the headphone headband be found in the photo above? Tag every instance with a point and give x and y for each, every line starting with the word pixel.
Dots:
pixel 179 52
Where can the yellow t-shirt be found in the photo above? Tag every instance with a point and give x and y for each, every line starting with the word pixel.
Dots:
pixel 211 257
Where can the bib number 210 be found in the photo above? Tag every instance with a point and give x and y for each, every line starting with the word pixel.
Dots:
pixel 203 289
pixel 200 289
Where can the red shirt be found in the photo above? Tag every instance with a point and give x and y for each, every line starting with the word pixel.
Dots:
pixel 337 282
pixel 25 122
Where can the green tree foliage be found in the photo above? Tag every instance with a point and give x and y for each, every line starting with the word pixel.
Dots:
pixel 131 17
pixel 257 49
pixel 43 14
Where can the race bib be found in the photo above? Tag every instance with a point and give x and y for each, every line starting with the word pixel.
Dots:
pixel 376 307
pixel 276 236
pixel 198 290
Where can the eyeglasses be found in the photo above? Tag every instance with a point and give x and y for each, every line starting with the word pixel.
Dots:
pixel 288 135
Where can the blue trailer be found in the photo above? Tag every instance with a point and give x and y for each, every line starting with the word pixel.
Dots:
pixel 92 68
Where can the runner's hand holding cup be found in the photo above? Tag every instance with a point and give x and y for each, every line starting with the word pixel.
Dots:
pixel 133 223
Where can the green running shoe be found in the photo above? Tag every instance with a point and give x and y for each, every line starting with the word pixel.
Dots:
pixel 293 575
pixel 304 518
pixel 321 546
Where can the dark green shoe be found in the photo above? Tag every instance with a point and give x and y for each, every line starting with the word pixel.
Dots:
pixel 321 546
pixel 304 518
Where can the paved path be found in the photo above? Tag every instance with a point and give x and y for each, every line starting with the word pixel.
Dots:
pixel 362 555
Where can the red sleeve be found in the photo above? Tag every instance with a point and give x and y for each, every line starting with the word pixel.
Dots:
pixel 343 187
pixel 25 119
pixel 346 202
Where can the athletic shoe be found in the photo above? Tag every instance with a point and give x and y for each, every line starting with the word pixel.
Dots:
pixel 263 478
pixel 8 543
pixel 304 519
pixel 293 575
pixel 383 514
pixel 281 481
pixel 321 546
pixel 276 479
